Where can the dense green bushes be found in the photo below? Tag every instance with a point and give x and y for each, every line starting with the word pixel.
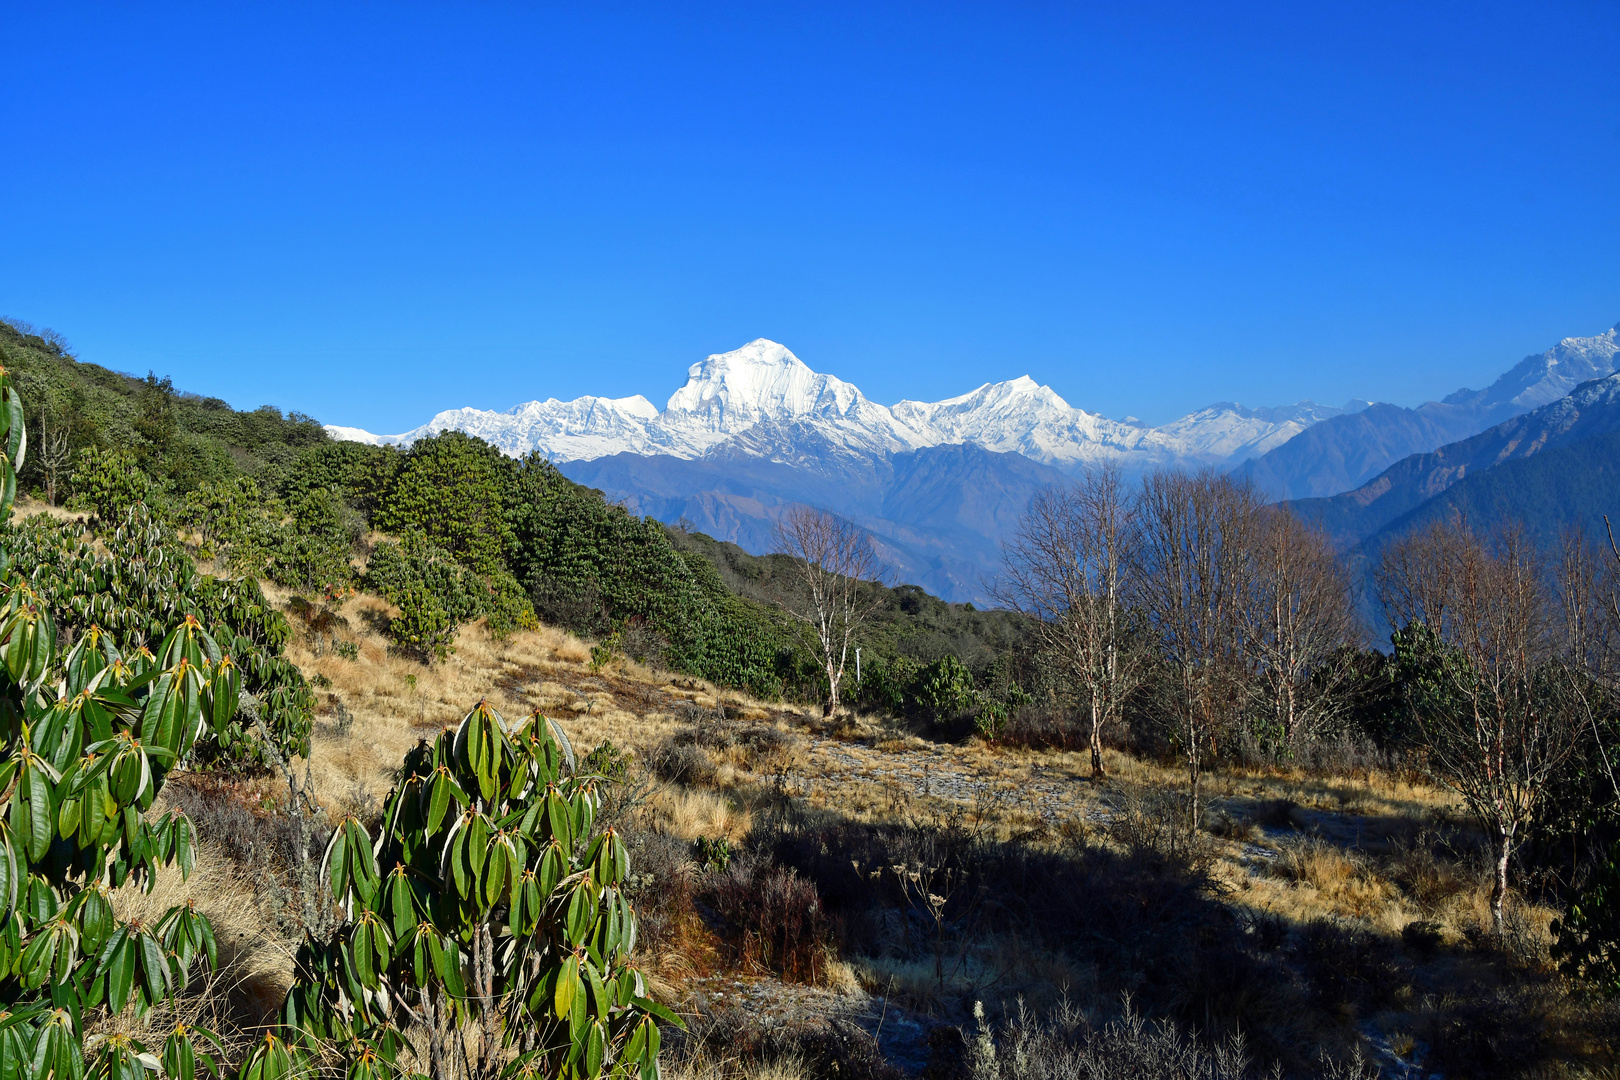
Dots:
pixel 435 594
pixel 456 491
pixel 140 584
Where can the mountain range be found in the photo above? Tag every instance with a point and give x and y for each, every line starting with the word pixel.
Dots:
pixel 728 395
pixel 1539 446
pixel 1345 452
pixel 938 484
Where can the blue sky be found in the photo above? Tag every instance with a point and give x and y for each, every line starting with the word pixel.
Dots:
pixel 370 212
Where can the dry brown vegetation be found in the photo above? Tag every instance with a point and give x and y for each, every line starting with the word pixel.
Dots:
pixel 880 884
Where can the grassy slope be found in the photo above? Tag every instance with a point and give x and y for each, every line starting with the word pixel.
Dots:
pixel 1353 851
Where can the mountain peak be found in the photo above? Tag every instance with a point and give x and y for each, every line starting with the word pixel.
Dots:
pixel 762 380
pixel 761 398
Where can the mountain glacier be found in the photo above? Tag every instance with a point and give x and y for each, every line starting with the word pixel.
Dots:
pixel 763 389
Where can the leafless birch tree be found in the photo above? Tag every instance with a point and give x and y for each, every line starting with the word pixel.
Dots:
pixel 1197 576
pixel 1067 567
pixel 55 457
pixel 1499 714
pixel 1301 618
pixel 841 573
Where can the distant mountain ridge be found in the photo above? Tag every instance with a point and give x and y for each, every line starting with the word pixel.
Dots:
pixel 1344 452
pixel 727 395
pixel 1590 412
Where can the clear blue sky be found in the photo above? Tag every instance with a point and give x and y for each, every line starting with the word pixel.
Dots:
pixel 370 212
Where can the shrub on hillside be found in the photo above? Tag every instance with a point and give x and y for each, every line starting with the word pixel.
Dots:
pixel 422 627
pixel 943 689
pixel 501 913
pixel 108 483
pixel 453 489
pixel 414 568
pixel 140 583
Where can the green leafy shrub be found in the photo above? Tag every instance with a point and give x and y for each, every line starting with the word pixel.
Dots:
pixel 603 652
pixel 363 475
pixel 593 568
pixel 414 565
pixel 86 741
pixel 943 689
pixel 452 488
pixel 1586 941
pixel 306 547
pixel 108 483
pixel 141 583
pixel 499 912
pixel 222 514
pixel 422 626
pixel 712 853
pixel 606 761
pixel 311 549
pixel 884 682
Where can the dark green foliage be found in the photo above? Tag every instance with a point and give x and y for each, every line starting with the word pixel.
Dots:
pixel 180 440
pixel 422 627
pixel 86 741
pixel 144 583
pixel 1586 941
pixel 910 630
pixel 885 682
pixel 606 761
pixel 363 475
pixel 253 533
pixel 222 514
pixel 107 483
pixel 593 568
pixel 943 689
pixel 453 488
pixel 488 901
pixel 414 570
pixel 712 853
pixel 310 549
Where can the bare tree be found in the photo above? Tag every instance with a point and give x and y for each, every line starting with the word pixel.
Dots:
pixel 1197 582
pixel 1066 567
pixel 55 457
pixel 841 575
pixel 1498 711
pixel 1588 621
pixel 1301 620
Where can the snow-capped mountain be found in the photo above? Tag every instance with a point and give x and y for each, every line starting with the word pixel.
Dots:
pixel 765 392
pixel 1346 452
pixel 1548 376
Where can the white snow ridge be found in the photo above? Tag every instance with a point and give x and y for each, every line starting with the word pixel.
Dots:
pixel 730 393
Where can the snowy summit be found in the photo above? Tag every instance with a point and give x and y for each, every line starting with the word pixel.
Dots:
pixel 763 383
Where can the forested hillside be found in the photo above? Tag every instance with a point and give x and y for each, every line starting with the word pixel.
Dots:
pixel 180 439
pixel 451 530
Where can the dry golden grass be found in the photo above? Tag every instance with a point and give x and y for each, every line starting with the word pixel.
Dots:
pixel 393 700
pixel 860 768
pixel 28 506
pixel 255 958
pixel 1336 849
